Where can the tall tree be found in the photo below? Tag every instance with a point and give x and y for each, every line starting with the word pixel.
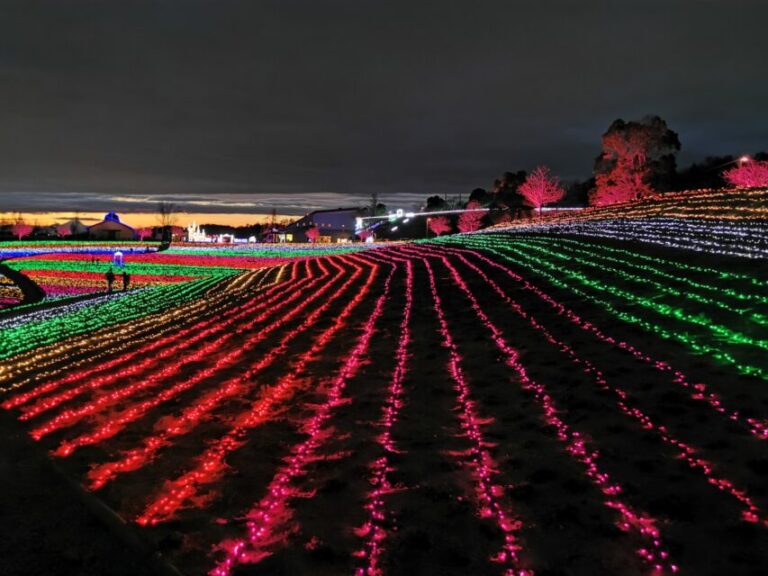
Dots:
pixel 637 158
pixel 435 203
pixel 541 188
pixel 166 217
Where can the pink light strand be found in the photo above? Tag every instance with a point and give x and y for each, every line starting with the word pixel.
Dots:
pixel 373 529
pixel 271 511
pixel 686 452
pixel 483 468
pixel 643 525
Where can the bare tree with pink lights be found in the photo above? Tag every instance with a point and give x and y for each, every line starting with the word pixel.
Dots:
pixel 145 232
pixel 20 229
pixel 541 188
pixel 313 234
pixel 439 225
pixel 472 220
pixel 748 174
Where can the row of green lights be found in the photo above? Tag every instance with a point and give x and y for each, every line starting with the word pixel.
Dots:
pixel 268 252
pixel 722 331
pixel 120 309
pixel 130 267
pixel 594 259
pixel 632 255
pixel 533 264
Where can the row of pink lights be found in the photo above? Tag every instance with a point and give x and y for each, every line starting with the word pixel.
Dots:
pixel 272 510
pixel 751 512
pixel 631 520
pixel 373 529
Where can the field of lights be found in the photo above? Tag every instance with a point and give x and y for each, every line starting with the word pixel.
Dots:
pixel 583 395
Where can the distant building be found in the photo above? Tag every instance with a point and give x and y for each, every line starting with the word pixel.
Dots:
pixel 196 234
pixel 111 229
pixel 333 225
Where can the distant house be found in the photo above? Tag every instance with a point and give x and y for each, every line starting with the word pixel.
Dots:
pixel 334 225
pixel 111 229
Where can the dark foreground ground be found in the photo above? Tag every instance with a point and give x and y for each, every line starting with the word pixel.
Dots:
pixel 46 527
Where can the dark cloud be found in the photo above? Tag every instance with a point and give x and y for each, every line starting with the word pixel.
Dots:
pixel 288 97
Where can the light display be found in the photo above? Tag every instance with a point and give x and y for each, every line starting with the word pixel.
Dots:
pixel 70 417
pixel 625 402
pixel 211 464
pixel 374 530
pixel 259 411
pixel 577 446
pixel 270 510
pixel 698 390
pixel 171 384
pixel 571 280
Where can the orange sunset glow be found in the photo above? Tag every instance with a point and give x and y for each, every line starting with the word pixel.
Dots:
pixel 143 219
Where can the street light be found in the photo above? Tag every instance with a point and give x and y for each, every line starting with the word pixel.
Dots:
pixel 426 231
pixel 744 159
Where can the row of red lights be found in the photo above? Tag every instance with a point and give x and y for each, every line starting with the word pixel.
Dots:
pixel 136 411
pixel 203 406
pixel 220 318
pixel 212 463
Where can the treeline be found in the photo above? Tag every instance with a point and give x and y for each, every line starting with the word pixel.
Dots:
pixel 638 159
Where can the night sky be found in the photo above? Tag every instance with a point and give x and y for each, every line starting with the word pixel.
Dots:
pixel 300 104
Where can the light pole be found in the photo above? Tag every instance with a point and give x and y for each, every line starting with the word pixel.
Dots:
pixel 426 228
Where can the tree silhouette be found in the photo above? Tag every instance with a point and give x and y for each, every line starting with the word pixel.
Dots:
pixel 637 158
pixel 541 188
pixel 435 203
pixel 166 216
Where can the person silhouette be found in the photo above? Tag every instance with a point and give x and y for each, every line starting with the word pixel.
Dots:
pixel 126 280
pixel 110 276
